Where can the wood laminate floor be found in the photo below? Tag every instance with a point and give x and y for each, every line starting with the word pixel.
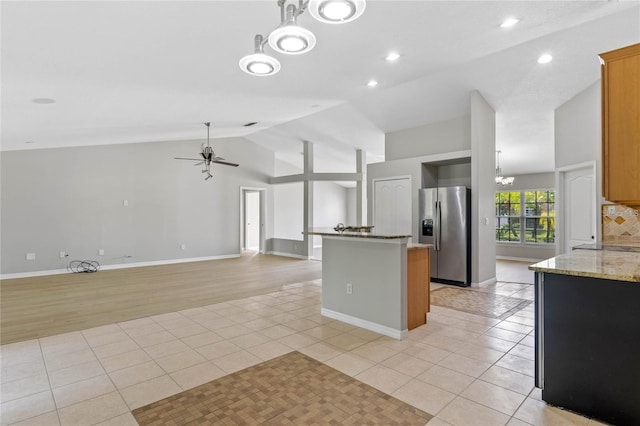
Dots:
pixel 43 306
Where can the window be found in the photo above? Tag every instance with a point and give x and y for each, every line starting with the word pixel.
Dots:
pixel 526 216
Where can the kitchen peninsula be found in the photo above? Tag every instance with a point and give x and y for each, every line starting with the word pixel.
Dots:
pixel 364 281
pixel 588 332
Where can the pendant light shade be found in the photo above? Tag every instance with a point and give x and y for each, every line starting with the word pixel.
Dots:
pixel 290 38
pixel 259 63
pixel 336 11
pixel 502 180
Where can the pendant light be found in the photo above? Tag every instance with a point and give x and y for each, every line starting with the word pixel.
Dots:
pixel 336 11
pixel 501 180
pixel 290 38
pixel 259 63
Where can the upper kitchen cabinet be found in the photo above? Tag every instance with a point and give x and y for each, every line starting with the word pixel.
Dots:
pixel 621 125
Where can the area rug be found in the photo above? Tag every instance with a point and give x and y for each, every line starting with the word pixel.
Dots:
pixel 292 389
pixel 476 302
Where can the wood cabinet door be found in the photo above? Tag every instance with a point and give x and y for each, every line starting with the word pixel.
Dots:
pixel 621 124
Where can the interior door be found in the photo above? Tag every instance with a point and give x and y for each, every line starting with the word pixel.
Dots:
pixel 392 206
pixel 252 220
pixel 579 208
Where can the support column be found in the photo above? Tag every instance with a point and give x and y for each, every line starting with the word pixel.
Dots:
pixel 361 188
pixel 308 198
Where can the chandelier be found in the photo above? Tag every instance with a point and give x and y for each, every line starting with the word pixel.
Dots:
pixel 292 39
pixel 501 180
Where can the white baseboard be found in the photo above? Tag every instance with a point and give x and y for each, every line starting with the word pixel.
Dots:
pixel 119 266
pixel 295 256
pixel 368 325
pixel 484 283
pixel 519 259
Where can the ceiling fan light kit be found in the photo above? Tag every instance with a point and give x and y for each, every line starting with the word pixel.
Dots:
pixel 292 39
pixel 208 157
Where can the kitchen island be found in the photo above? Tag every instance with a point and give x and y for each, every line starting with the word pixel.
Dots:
pixel 588 333
pixel 364 280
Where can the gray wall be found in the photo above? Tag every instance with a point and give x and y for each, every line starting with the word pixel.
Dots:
pixel 483 146
pixel 578 134
pixel 406 150
pixel 71 199
pixel 377 269
pixel 435 138
pixel 527 251
pixel 578 130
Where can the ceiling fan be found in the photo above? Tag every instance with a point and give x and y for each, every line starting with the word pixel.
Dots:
pixel 208 157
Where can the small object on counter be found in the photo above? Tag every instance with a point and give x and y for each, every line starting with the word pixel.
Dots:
pixel 341 228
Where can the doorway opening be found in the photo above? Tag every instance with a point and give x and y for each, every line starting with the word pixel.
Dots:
pixel 252 212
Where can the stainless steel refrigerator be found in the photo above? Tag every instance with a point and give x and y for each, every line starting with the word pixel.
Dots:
pixel 445 222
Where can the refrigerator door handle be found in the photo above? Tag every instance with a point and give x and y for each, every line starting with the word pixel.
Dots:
pixel 437 223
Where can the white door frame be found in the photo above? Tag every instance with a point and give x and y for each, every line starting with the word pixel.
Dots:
pixel 561 173
pixel 263 216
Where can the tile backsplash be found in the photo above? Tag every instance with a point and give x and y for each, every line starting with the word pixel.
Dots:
pixel 620 224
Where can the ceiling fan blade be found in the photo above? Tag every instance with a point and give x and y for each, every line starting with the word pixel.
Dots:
pixel 199 163
pixel 208 177
pixel 226 163
pixel 192 159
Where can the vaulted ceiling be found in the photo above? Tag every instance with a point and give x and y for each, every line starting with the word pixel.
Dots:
pixel 129 71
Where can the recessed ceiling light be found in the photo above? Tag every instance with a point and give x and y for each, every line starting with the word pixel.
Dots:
pixel 509 22
pixel 545 59
pixel 372 83
pixel 393 56
pixel 43 101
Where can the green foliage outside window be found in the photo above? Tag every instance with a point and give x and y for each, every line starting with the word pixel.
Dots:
pixel 526 216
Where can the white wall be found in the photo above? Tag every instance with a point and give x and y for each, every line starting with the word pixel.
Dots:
pixel 351 207
pixel 527 251
pixel 288 208
pixel 435 138
pixel 329 207
pixel 578 133
pixel 71 199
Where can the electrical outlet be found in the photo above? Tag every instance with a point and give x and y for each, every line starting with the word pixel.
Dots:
pixel 349 288
pixel 100 252
pixel 183 246
pixel 31 256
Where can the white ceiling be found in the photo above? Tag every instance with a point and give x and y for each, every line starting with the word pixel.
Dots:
pixel 144 71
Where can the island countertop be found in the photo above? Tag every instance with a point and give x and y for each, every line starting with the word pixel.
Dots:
pixel 607 264
pixel 331 233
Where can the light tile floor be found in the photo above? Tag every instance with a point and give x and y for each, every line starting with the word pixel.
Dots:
pixel 465 369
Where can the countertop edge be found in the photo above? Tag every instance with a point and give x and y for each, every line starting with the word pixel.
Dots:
pixel 609 265
pixel 358 235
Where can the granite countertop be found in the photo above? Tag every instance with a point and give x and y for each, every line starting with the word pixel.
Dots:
pixel 413 246
pixel 607 264
pixel 627 248
pixel 331 233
